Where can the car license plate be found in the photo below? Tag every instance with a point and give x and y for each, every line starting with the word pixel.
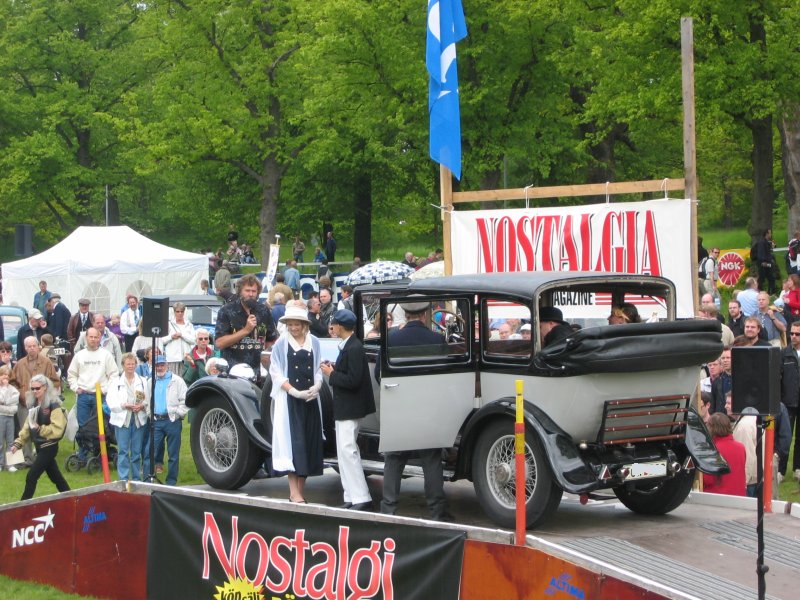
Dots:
pixel 646 470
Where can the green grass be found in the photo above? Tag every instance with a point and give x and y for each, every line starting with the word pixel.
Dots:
pixel 12 484
pixel 11 588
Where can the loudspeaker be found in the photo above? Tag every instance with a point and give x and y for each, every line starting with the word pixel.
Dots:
pixel 155 315
pixel 756 372
pixel 23 240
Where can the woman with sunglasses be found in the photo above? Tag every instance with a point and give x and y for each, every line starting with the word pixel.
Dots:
pixel 194 362
pixel 45 427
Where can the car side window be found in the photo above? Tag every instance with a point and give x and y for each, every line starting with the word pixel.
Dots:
pixel 435 331
pixel 507 330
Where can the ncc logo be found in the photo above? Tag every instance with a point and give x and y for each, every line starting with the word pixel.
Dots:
pixel 32 534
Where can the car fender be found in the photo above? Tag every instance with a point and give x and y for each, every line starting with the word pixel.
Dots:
pixel 242 395
pixel 573 474
pixel 701 447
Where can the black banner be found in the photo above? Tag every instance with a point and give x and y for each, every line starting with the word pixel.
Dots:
pixel 205 549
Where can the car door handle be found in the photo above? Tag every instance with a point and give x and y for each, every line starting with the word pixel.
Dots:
pixel 390 385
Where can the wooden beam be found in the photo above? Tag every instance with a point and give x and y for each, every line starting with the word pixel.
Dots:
pixel 568 191
pixel 446 194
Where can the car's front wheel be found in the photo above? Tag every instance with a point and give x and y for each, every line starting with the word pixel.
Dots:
pixel 494 474
pixel 648 498
pixel 225 456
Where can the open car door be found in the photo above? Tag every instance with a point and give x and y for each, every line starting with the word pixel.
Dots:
pixel 427 387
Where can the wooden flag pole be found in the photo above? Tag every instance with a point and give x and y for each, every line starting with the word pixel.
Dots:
pixel 446 200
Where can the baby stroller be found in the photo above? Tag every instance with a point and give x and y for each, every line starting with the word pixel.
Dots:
pixel 88 438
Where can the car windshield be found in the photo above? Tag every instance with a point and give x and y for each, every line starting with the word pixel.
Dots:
pixel 11 324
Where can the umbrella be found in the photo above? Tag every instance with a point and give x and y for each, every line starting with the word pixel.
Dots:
pixel 433 269
pixel 379 272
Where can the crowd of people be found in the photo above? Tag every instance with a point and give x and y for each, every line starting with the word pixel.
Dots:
pixel 758 315
pixel 281 337
pixel 108 354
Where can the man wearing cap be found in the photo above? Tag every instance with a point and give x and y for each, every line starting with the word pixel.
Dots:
pixel 90 366
pixel 245 327
pixel 35 327
pixel 169 403
pixel 352 400
pixel 58 316
pixel 415 333
pixel 79 322
pixel 552 326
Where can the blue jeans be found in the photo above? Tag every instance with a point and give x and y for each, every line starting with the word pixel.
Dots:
pixel 171 431
pixel 130 441
pixel 86 403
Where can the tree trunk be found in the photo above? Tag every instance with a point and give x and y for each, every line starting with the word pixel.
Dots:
pixel 113 207
pixel 763 189
pixel 727 205
pixel 362 224
pixel 270 189
pixel 790 154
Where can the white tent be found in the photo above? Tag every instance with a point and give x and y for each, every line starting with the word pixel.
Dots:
pixel 104 264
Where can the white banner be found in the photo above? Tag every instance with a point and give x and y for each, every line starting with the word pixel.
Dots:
pixel 634 237
pixel 272 265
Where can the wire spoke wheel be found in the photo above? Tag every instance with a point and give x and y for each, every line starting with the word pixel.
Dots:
pixel 218 440
pixel 501 471
pixel 494 475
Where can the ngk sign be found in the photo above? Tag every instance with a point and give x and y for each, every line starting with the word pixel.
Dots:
pixel 731 267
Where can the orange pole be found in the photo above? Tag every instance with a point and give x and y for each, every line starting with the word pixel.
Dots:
pixel 519 452
pixel 769 450
pixel 102 433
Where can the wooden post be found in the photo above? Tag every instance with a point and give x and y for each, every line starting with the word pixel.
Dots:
pixel 690 168
pixel 446 202
pixel 689 137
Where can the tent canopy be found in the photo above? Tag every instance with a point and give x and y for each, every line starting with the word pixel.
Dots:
pixel 104 264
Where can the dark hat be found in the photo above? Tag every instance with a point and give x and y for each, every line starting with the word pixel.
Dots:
pixel 551 313
pixel 84 302
pixel 345 318
pixel 415 307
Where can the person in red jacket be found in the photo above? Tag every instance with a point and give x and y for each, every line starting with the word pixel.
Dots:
pixel 734 483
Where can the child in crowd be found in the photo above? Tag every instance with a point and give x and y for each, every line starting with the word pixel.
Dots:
pixel 9 403
pixel 47 351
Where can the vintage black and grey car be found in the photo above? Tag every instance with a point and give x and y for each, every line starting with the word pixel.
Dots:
pixel 606 408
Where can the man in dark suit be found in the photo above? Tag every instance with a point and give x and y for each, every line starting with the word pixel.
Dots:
pixel 352 400
pixel 58 316
pixel 415 333
pixel 79 322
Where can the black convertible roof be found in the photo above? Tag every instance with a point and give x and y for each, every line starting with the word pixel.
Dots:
pixel 528 284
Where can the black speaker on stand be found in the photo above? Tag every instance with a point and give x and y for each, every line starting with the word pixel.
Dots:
pixel 23 240
pixel 756 372
pixel 155 323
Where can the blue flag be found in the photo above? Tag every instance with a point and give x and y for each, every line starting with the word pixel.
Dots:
pixel 446 26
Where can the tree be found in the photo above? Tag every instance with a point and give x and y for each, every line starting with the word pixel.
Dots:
pixel 64 68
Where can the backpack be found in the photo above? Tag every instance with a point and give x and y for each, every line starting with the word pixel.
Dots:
pixel 794 248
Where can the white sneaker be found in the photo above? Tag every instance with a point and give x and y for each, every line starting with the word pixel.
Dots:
pixel 780 478
pixel 12 469
pixel 797 474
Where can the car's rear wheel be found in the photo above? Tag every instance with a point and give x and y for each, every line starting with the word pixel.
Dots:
pixel 494 474
pixel 225 456
pixel 656 498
